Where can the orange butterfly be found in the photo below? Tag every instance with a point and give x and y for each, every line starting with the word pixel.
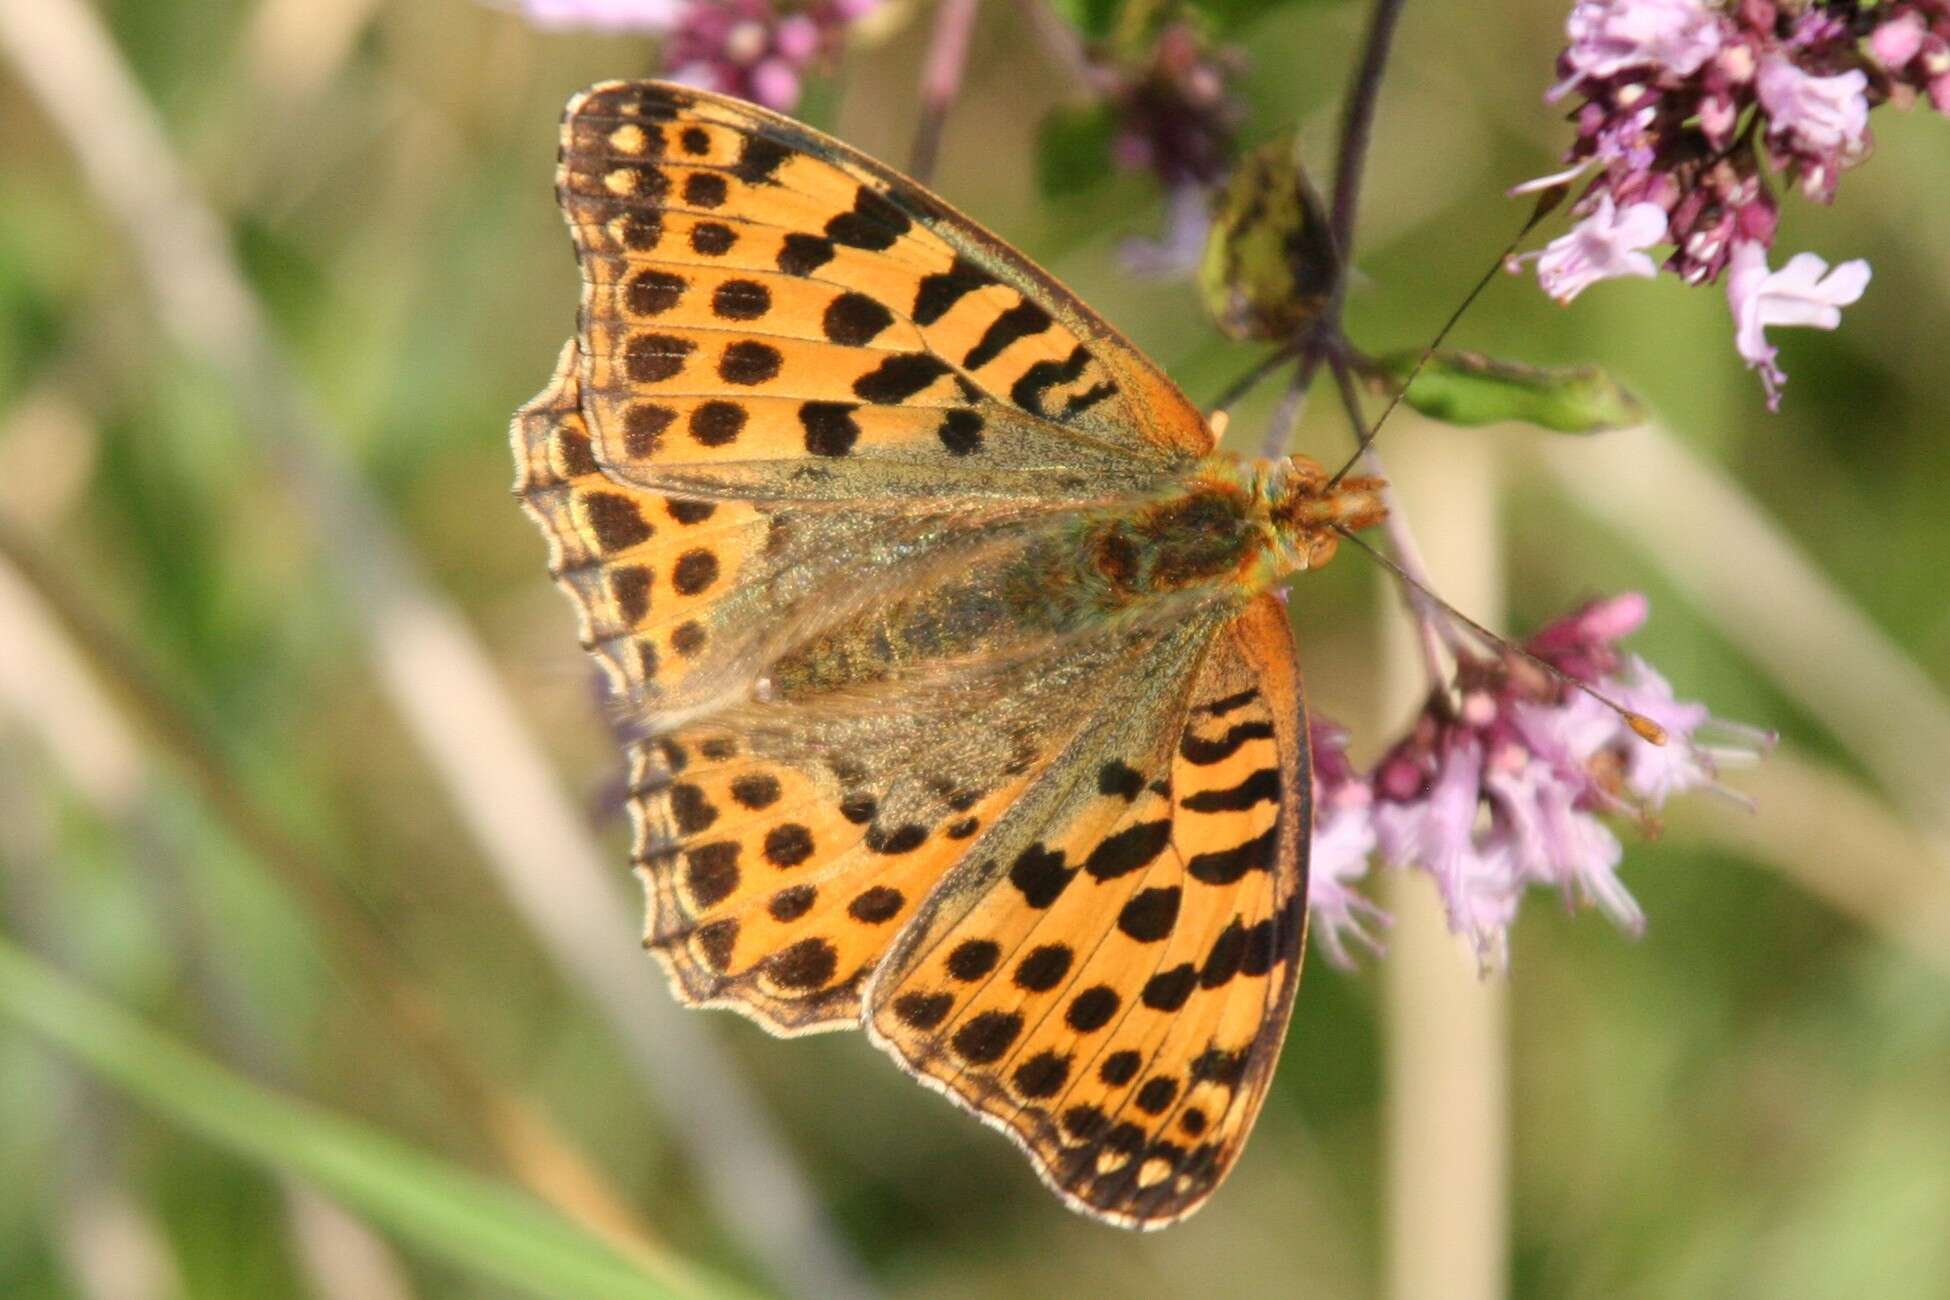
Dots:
pixel 965 713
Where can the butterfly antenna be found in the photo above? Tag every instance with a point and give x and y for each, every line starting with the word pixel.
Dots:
pixel 1645 727
pixel 1546 202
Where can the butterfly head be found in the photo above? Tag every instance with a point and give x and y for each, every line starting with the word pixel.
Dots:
pixel 1309 511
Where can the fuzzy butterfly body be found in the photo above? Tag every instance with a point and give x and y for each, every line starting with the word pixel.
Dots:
pixel 962 711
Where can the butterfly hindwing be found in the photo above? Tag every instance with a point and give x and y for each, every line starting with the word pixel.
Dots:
pixel 1115 998
pixel 783 849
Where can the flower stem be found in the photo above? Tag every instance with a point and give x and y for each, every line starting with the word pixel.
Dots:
pixel 1430 627
pixel 1279 430
pixel 941 76
pixel 1357 123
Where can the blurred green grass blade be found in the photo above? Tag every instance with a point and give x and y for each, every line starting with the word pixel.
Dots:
pixel 466 1220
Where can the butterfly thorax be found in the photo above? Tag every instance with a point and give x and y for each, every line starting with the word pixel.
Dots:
pixel 1233 527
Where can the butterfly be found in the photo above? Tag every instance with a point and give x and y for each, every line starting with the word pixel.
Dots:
pixel 960 708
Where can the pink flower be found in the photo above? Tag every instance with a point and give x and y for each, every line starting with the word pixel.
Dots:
pixel 1689 105
pixel 1655 773
pixel 775 84
pixel 1804 292
pixel 1610 36
pixel 1474 871
pixel 757 49
pixel 1582 643
pixel 605 15
pixel 1483 905
pixel 1343 840
pixel 797 38
pixel 1603 246
pixel 1898 41
pixel 1506 783
pixel 1176 111
pixel 1547 795
pixel 1437 833
pixel 1820 115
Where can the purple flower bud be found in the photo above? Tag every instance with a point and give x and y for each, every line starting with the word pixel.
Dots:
pixel 775 85
pixel 1593 625
pixel 754 48
pixel 797 38
pixel 1817 27
pixel 745 43
pixel 1756 15
pixel 1718 116
pixel 1176 114
pixel 1898 41
pixel 1756 222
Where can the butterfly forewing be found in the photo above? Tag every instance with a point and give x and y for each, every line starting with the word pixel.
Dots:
pixel 812 472
pixel 733 257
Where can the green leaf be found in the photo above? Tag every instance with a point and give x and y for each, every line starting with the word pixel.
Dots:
pixel 1269 267
pixel 1469 388
pixel 1073 149
pixel 468 1221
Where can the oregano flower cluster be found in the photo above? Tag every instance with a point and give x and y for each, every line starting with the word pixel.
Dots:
pixel 755 49
pixel 1505 782
pixel 1691 114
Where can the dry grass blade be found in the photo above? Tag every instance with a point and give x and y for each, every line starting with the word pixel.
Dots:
pixel 53 653
pixel 1839 842
pixel 1446 1038
pixel 1753 583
